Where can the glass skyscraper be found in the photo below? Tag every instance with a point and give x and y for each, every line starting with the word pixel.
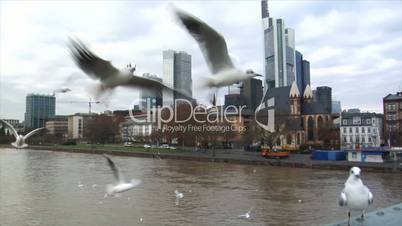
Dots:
pixel 279 51
pixel 149 97
pixel 302 72
pixel 176 74
pixel 39 108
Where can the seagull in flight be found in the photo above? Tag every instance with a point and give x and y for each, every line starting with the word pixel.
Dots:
pixel 20 139
pixel 109 76
pixel 246 215
pixel 356 196
pixel 215 52
pixel 179 196
pixel 121 184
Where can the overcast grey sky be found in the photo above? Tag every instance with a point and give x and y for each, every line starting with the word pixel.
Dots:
pixel 353 46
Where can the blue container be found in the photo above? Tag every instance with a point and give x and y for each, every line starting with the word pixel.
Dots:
pixel 332 155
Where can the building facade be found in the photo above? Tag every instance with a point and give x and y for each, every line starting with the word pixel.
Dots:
pixel 361 130
pixel 392 105
pixel 299 119
pixel 39 109
pixel 77 125
pixel 302 72
pixel 251 92
pixel 57 125
pixel 136 130
pixel 279 51
pixel 176 74
pixel 150 98
pixel 336 107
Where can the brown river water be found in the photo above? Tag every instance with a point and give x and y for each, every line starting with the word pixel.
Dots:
pixel 41 188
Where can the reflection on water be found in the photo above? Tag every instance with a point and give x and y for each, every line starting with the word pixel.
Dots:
pixel 41 188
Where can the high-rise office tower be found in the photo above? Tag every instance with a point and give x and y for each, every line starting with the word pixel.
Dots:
pixel 150 98
pixel 251 93
pixel 39 108
pixel 302 72
pixel 176 74
pixel 279 50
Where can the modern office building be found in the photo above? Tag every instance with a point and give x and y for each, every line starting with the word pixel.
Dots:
pixel 392 105
pixel 150 98
pixel 39 109
pixel 279 51
pixel 302 72
pixel 176 74
pixel 336 107
pixel 360 130
pixel 251 92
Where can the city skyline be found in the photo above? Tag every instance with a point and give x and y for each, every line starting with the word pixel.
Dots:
pixel 361 64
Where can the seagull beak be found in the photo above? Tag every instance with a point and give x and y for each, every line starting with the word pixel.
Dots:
pixel 257 75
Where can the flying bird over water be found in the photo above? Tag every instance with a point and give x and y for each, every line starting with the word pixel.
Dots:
pixel 20 139
pixel 356 196
pixel 121 184
pixel 109 76
pixel 215 52
pixel 246 215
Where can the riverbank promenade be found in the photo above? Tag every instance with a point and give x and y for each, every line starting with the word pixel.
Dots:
pixel 237 156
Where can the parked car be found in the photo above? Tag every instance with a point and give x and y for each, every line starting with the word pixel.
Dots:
pixel 164 146
pixel 128 144
pixel 147 146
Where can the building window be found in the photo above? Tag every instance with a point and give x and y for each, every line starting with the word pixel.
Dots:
pixel 363 130
pixel 374 130
pixel 356 120
pixel 369 129
pixel 363 139
pixel 354 155
pixel 369 139
pixel 357 129
pixel 345 122
pixel 345 139
pixel 350 129
pixel 368 121
pixel 373 121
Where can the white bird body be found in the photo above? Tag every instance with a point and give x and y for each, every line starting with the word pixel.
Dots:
pixel 121 185
pixel 227 77
pixel 355 195
pixel 178 194
pixel 20 139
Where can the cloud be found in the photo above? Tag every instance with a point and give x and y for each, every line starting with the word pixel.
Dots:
pixel 347 43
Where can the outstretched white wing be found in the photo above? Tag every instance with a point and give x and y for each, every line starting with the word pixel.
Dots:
pixel 90 63
pixel 33 132
pixel 211 43
pixel 116 172
pixel 11 127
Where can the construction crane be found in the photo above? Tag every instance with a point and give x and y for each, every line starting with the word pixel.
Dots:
pixel 90 102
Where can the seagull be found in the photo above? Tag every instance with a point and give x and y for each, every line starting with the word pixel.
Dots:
pixel 215 52
pixel 246 215
pixel 20 139
pixel 121 185
pixel 109 76
pixel 179 196
pixel 81 186
pixel 356 196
